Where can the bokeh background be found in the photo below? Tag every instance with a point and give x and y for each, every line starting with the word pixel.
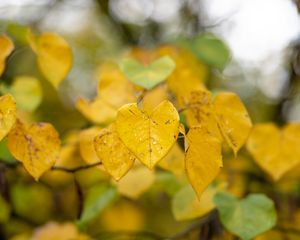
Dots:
pixel 264 40
pixel 263 37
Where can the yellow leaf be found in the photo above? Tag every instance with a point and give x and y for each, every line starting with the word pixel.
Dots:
pixel 113 87
pixel 233 119
pixel 58 231
pixel 154 97
pixel 54 56
pixel 115 156
pixel 86 144
pixel 123 216
pixel 36 146
pixel 137 181
pixel 226 117
pixel 7 114
pixel 189 74
pixel 6 47
pixel 27 92
pixel 275 151
pixel 203 159
pixel 174 160
pixel 97 111
pixel 148 136
pixel 200 111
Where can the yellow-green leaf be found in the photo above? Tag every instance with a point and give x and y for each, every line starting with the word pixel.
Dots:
pixel 115 156
pixel 27 92
pixel 36 146
pixel 148 76
pixel 186 205
pixel 148 136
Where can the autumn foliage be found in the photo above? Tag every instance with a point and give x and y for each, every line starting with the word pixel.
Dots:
pixel 154 127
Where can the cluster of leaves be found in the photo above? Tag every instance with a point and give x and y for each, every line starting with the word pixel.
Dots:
pixel 145 104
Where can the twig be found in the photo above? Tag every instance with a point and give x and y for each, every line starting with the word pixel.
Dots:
pixel 193 226
pixel 294 231
pixel 79 196
pixel 72 170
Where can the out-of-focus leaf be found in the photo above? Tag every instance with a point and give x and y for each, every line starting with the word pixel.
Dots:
pixel 275 151
pixel 4 210
pixel 96 200
pixel 211 50
pixel 168 182
pixel 248 217
pixel 123 216
pixel 97 111
pixel 5 155
pixel 186 205
pixel 27 92
pixel 8 114
pixel 154 97
pixel 148 76
pixel 33 202
pixel 58 231
pixel 86 144
pixel 203 159
pixel 54 56
pixel 148 136
pixel 6 47
pixel 112 152
pixel 36 146
pixel 137 181
pixel 113 86
pixel 174 160
pixel 18 32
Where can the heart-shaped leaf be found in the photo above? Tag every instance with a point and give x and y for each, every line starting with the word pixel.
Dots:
pixel 248 217
pixel 36 146
pixel 148 76
pixel 275 151
pixel 118 162
pixel 54 56
pixel 203 159
pixel 148 136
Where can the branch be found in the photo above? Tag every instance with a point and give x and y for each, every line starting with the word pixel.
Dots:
pixel 75 169
pixel 288 230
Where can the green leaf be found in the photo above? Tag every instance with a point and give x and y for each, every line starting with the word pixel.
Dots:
pixel 186 205
pixel 32 201
pixel 148 76
pixel 211 50
pixel 4 210
pixel 27 92
pixel 5 155
pixel 97 199
pixel 248 217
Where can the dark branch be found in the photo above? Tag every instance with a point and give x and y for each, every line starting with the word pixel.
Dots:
pixel 72 170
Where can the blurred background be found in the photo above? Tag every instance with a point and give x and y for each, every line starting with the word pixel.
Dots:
pixel 264 41
pixel 263 36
